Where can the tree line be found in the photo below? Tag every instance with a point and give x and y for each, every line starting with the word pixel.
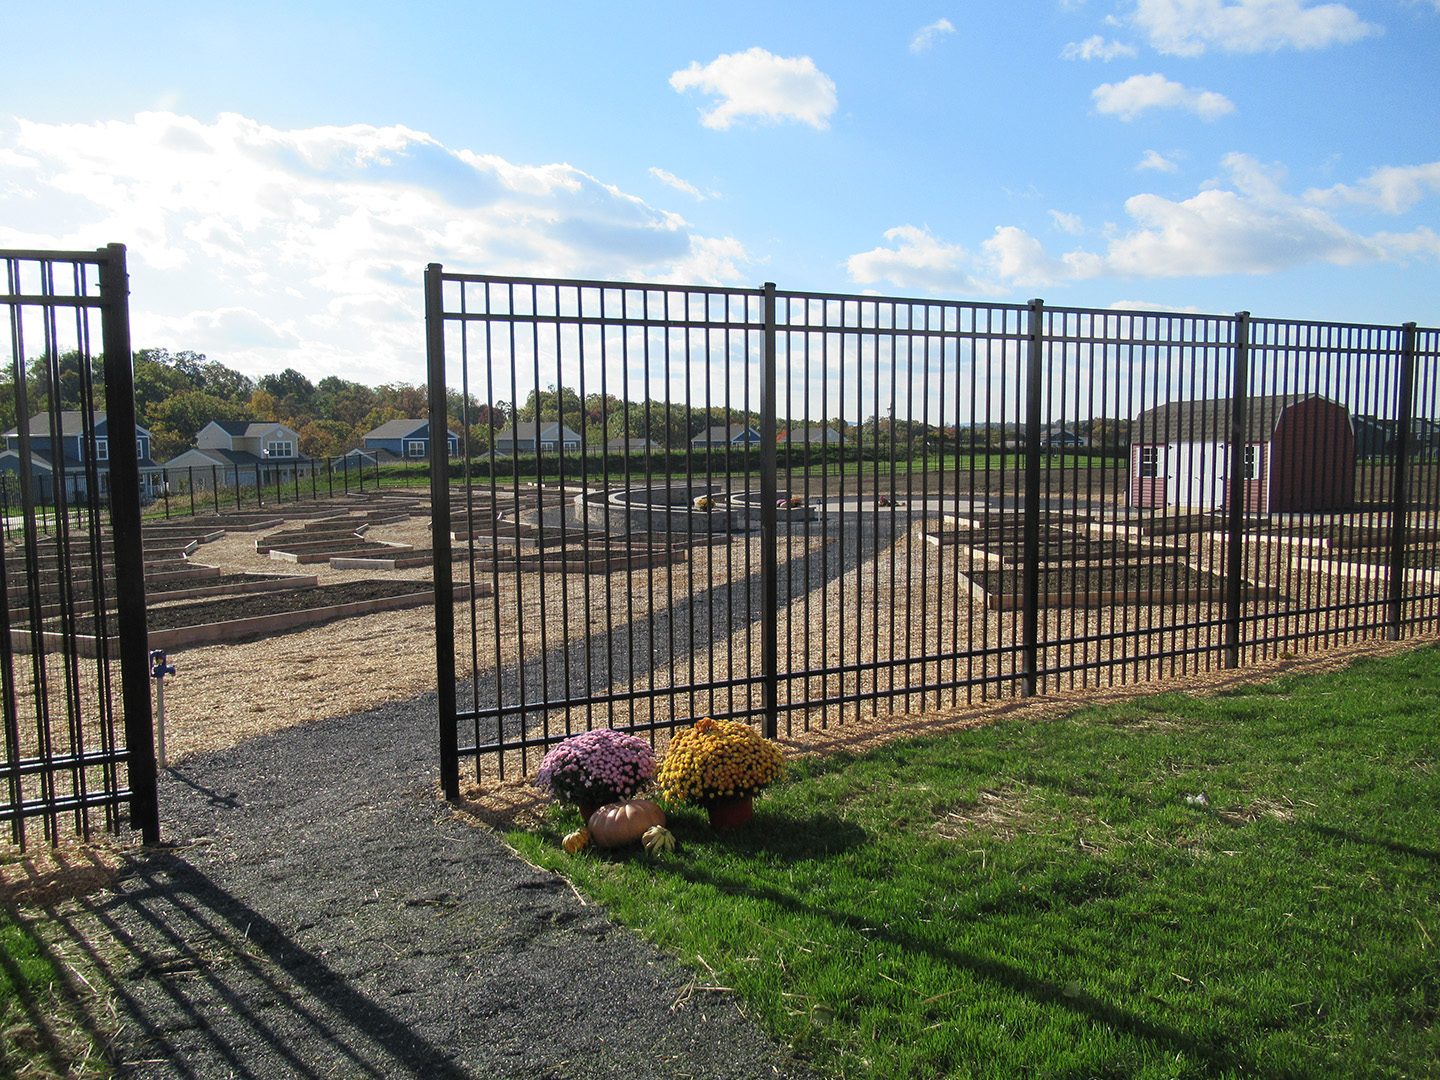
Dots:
pixel 177 394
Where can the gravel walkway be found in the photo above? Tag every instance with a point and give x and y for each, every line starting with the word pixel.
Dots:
pixel 317 912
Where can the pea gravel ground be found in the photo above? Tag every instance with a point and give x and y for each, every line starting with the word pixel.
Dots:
pixel 316 911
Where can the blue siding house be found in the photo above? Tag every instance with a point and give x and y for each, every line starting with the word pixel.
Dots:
pixel 405 440
pixel 69 454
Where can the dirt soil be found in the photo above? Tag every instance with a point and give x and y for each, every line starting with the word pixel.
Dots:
pixel 1121 577
pixel 250 605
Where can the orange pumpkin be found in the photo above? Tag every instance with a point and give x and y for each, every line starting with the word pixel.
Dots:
pixel 619 823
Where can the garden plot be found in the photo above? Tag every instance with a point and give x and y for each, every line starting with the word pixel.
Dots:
pixel 1077 570
pixel 197 622
pixel 1075 550
pixel 1420 567
pixel 354 547
pixel 1114 585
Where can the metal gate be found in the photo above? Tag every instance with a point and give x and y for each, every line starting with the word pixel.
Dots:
pixel 78 743
pixel 674 501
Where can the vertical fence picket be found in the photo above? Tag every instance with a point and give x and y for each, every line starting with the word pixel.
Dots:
pixel 1400 490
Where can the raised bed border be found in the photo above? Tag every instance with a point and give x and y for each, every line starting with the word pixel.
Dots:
pixel 195 637
pixel 1153 598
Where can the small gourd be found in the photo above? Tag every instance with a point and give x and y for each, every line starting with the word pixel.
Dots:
pixel 576 840
pixel 658 839
pixel 619 823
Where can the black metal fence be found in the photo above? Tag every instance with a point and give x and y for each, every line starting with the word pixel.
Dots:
pixel 73 662
pixel 196 491
pixel 795 507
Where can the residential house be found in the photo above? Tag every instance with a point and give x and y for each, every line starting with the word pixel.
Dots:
pixel 1299 454
pixel 406 440
pixel 526 437
pixel 70 454
pixel 242 453
pixel 1063 435
pixel 732 435
pixel 633 446
pixel 814 435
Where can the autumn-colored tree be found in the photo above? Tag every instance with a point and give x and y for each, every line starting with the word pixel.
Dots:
pixel 325 438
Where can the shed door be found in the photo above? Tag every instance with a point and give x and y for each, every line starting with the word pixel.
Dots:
pixel 1197 475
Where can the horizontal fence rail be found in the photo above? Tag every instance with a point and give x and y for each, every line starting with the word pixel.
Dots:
pixel 796 508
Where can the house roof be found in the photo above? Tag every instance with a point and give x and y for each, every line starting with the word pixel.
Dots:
pixel 396 429
pixel 72 422
pixel 248 429
pixel 720 433
pixel 1209 420
pixel 225 458
pixel 525 429
pixel 816 433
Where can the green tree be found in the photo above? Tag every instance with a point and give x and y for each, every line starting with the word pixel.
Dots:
pixel 341 399
pixel 175 421
pixel 294 395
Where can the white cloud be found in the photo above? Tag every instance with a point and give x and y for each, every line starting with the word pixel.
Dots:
pixel 1067 223
pixel 669 179
pixel 269 248
pixel 917 260
pixel 759 84
pixel 238 326
pixel 926 36
pixel 1140 94
pixel 1393 189
pixel 1245 223
pixel 1154 161
pixel 1096 47
pixel 1191 27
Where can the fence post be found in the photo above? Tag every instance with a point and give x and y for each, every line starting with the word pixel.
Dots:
pixel 1235 492
pixel 1404 412
pixel 769 526
pixel 129 554
pixel 440 535
pixel 1030 599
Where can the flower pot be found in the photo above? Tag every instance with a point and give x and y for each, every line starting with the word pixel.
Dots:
pixel 730 813
pixel 586 809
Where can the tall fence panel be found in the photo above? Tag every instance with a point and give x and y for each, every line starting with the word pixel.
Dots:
pixel 73 660
pixel 795 508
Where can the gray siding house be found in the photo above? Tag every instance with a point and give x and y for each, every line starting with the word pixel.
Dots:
pixel 405 440
pixel 526 437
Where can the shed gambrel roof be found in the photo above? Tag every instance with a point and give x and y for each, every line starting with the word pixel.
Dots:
pixel 1209 420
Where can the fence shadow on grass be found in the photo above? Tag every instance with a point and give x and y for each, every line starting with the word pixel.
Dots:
pixel 1395 846
pixel 227 988
pixel 1009 976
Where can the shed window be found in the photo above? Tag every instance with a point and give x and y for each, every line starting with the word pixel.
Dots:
pixel 415 448
pixel 1149 461
pixel 1248 472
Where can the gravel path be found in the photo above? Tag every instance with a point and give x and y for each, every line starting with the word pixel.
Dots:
pixel 317 912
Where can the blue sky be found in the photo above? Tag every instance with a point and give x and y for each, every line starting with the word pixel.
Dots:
pixel 283 172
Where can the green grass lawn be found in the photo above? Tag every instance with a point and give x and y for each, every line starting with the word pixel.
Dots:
pixel 40 1033
pixel 1055 898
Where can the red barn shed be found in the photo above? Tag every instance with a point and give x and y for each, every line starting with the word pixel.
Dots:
pixel 1299 454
